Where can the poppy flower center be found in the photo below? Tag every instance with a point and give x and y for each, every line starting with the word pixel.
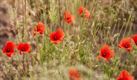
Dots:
pixel 8 50
pixel 55 38
pixel 68 18
pixel 104 54
pixel 23 49
pixel 126 46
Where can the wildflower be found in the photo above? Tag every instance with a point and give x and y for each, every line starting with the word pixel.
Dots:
pixel 57 36
pixel 68 17
pixel 126 44
pixel 39 28
pixel 134 37
pixel 124 75
pixel 87 14
pixel 8 49
pixel 23 47
pixel 106 53
pixel 83 12
pixel 74 74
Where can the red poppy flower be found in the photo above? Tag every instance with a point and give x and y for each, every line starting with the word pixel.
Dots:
pixel 126 44
pixel 57 36
pixel 87 14
pixel 83 12
pixel 124 75
pixel 74 74
pixel 106 53
pixel 23 47
pixel 134 37
pixel 68 17
pixel 8 49
pixel 40 28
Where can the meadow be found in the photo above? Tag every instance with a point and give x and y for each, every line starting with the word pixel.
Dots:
pixel 68 39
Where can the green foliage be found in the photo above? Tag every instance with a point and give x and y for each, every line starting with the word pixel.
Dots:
pixel 108 24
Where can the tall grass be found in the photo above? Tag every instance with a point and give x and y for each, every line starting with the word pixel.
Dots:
pixel 110 22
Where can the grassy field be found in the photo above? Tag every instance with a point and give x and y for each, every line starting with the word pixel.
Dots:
pixel 68 39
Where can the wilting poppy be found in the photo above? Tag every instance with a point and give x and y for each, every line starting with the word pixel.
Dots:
pixel 23 47
pixel 106 53
pixel 39 28
pixel 8 49
pixel 68 17
pixel 83 12
pixel 57 36
pixel 126 44
pixel 134 37
pixel 73 74
pixel 124 75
